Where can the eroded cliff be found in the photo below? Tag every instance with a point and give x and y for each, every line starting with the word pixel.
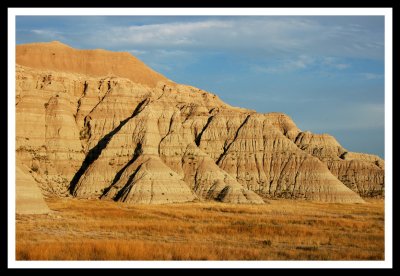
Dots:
pixel 98 124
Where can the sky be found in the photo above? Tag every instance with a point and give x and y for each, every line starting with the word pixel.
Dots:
pixel 325 72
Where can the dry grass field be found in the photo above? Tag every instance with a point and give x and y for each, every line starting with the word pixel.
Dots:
pixel 281 230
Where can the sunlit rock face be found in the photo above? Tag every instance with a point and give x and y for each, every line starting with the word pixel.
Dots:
pixel 100 124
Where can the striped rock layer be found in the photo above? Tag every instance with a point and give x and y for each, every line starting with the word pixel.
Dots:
pixel 99 124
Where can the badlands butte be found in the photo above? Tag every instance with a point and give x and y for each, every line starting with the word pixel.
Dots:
pixel 101 124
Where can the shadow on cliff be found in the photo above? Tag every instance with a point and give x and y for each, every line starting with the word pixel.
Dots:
pixel 95 152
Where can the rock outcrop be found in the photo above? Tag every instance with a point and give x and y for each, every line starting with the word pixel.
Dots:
pixel 98 63
pixel 363 173
pixel 123 132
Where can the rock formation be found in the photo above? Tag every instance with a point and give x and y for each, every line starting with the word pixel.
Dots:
pixel 100 124
pixel 363 173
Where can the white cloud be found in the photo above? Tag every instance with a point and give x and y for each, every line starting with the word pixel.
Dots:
pixel 39 32
pixel 287 65
pixel 171 53
pixel 262 36
pixel 334 63
pixel 371 76
pixel 136 52
pixel 44 34
pixel 169 34
pixel 342 65
pixel 302 62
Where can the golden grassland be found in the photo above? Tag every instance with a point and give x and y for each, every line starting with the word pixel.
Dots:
pixel 281 230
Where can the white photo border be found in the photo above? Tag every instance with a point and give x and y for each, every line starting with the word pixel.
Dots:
pixel 386 12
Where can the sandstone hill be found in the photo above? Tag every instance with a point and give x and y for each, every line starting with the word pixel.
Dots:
pixel 100 124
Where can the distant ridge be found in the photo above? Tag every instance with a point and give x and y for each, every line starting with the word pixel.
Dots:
pixel 97 63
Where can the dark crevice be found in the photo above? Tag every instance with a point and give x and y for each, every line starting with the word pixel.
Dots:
pixel 211 190
pixel 198 138
pixel 101 100
pixel 136 154
pixel 196 182
pixel 343 155
pixel 78 107
pixel 224 192
pixel 95 152
pixel 169 130
pixel 297 138
pixel 85 86
pixel 129 184
pixel 163 92
pixel 226 148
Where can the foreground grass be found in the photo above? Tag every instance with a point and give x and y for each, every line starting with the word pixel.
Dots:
pixel 281 230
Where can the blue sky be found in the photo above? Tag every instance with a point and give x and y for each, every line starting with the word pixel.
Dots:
pixel 326 72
